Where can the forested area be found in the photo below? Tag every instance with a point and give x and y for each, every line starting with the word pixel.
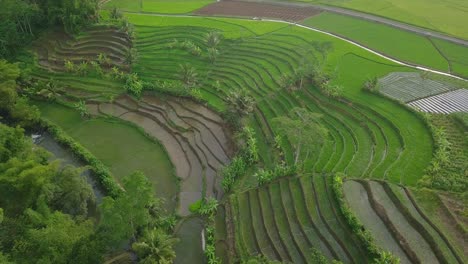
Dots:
pixel 22 20
pixel 48 211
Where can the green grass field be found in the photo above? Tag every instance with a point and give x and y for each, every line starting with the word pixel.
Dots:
pixel 447 16
pixel 158 6
pixel 396 43
pixel 121 147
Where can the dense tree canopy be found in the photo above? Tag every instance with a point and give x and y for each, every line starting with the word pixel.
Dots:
pixel 22 20
pixel 11 104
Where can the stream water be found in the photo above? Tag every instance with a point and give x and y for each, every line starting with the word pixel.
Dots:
pixel 66 157
pixel 189 232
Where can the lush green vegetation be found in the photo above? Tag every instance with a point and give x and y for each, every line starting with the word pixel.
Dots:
pixel 396 43
pixel 49 214
pixel 233 70
pixel 22 21
pixel 158 6
pixel 444 16
pixel 120 146
pixel 295 101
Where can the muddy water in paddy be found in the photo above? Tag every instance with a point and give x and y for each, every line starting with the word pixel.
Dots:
pixel 198 144
pixel 358 200
pixel 194 137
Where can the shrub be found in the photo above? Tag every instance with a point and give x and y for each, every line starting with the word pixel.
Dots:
pixel 133 85
pixel 233 171
pixel 82 109
pixel 69 66
pixel 371 84
pixel 280 170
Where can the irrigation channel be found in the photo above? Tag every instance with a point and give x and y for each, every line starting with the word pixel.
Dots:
pixel 66 157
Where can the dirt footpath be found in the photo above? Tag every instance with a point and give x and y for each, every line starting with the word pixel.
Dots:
pixel 261 10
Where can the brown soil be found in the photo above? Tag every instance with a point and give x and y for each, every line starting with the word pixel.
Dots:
pixel 261 10
pixel 194 137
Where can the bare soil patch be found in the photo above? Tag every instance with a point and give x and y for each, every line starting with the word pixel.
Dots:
pixel 261 10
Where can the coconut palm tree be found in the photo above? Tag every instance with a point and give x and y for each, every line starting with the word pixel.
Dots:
pixel 241 102
pixel 187 75
pixel 213 39
pixel 156 247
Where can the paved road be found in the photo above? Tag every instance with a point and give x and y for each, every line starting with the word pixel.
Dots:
pixel 373 18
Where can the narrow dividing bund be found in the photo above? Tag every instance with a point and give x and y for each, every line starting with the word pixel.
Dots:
pixel 194 137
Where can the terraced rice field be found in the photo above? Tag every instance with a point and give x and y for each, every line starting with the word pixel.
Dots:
pixel 369 135
pixel 194 137
pixel 398 224
pixel 285 219
pixel 364 140
pixel 119 146
pixel 446 103
pixel 58 47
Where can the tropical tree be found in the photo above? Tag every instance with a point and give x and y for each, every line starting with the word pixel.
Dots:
pixel 69 66
pixel 124 215
pixel 115 13
pixel 303 129
pixel 213 39
pixel 133 84
pixel 82 109
pixel 213 54
pixel 332 90
pixel 131 56
pixel 187 75
pixel 370 84
pixel 240 102
pixel 155 247
pixel 323 48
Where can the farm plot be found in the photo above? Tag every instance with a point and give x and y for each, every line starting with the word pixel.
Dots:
pixel 406 86
pixel 55 49
pixel 194 137
pixel 285 219
pixel 440 15
pixel 157 6
pixel 395 43
pixel 364 141
pixel 265 10
pixel 119 146
pixel 397 223
pixel 446 103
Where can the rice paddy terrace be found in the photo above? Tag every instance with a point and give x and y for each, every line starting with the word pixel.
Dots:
pixel 371 139
pixel 287 218
pixel 391 213
pixel 194 137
